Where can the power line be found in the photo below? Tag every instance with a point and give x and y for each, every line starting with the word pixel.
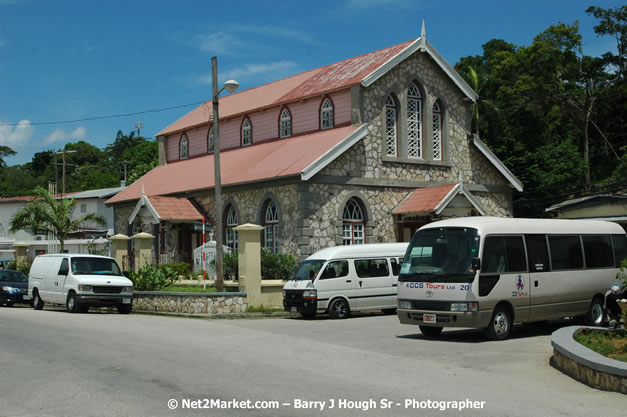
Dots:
pixel 113 116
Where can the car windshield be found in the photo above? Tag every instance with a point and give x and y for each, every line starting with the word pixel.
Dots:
pixel 308 270
pixel 12 276
pixel 94 266
pixel 441 255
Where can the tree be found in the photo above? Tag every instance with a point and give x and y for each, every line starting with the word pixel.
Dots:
pixel 5 151
pixel 52 215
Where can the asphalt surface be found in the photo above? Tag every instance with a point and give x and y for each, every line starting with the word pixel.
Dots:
pixel 53 363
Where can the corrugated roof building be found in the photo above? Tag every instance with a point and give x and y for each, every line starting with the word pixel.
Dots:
pixel 364 150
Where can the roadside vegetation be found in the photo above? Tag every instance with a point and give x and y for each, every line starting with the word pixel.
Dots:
pixel 611 344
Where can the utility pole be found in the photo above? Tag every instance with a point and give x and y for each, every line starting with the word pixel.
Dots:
pixel 125 163
pixel 63 170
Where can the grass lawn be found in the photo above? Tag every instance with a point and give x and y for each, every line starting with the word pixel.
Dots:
pixel 610 344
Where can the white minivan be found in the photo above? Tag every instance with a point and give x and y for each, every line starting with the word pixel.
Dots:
pixel 79 282
pixel 342 279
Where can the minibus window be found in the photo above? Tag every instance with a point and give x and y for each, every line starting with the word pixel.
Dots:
pixel 516 261
pixel 620 248
pixel 372 268
pixel 335 269
pixel 308 270
pixel 565 252
pixel 538 253
pixel 598 250
pixel 503 254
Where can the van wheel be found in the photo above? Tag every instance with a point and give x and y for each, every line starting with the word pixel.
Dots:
pixel 501 324
pixel 38 303
pixel 71 304
pixel 389 311
pixel 125 308
pixel 339 309
pixel 430 331
pixel 594 316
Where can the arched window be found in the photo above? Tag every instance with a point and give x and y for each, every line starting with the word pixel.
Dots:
pixel 353 223
pixel 184 147
pixel 437 132
pixel 414 122
pixel 232 221
pixel 271 227
pixel 247 132
pixel 211 141
pixel 326 114
pixel 285 123
pixel 390 126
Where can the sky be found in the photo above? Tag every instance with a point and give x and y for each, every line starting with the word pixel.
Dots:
pixel 63 62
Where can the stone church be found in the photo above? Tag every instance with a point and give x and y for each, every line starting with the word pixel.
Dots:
pixel 364 150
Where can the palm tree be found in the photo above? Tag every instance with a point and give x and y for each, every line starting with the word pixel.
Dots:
pixel 54 216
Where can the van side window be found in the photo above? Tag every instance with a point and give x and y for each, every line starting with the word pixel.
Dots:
pixel 335 269
pixel 504 254
pixel 372 268
pixel 538 253
pixel 64 268
pixel 598 251
pixel 620 248
pixel 396 266
pixel 565 252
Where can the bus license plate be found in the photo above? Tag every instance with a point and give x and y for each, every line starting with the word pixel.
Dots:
pixel 428 318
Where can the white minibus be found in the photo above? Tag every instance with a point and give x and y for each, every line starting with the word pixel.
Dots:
pixel 342 279
pixel 489 272
pixel 79 282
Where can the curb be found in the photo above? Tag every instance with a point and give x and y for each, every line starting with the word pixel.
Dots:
pixel 226 316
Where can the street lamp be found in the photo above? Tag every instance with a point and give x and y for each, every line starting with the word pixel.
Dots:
pixel 230 86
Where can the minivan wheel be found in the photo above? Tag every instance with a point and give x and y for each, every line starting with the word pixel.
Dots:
pixel 38 303
pixel 339 309
pixel 125 308
pixel 72 304
pixel 500 326
pixel 594 317
pixel 430 331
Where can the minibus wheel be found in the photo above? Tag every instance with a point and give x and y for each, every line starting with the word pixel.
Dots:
pixel 594 317
pixel 71 304
pixel 38 304
pixel 430 331
pixel 339 309
pixel 501 324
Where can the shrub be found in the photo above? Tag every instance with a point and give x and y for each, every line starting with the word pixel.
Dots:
pixel 181 269
pixel 153 278
pixel 23 267
pixel 276 266
pixel 230 266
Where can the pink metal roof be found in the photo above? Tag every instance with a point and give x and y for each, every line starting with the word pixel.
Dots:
pixel 424 200
pixel 173 208
pixel 321 80
pixel 267 160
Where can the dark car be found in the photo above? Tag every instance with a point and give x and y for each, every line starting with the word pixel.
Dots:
pixel 13 287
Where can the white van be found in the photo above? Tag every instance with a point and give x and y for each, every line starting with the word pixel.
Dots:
pixel 342 279
pixel 79 282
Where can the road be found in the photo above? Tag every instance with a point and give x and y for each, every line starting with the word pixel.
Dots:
pixel 103 364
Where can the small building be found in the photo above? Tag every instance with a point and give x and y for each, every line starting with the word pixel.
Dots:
pixel 364 150
pixel 606 206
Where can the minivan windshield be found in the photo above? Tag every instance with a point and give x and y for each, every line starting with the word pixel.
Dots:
pixel 308 270
pixel 85 265
pixel 441 255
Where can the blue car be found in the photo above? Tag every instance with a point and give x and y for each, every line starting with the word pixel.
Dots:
pixel 13 287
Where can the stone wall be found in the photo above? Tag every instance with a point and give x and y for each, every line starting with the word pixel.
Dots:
pixel 190 303
pixel 591 377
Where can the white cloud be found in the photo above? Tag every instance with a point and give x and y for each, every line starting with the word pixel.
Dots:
pixel 16 137
pixel 260 72
pixel 60 135
pixel 273 31
pixel 219 43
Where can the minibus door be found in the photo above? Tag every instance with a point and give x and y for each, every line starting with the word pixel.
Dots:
pixel 335 280
pixel 374 281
